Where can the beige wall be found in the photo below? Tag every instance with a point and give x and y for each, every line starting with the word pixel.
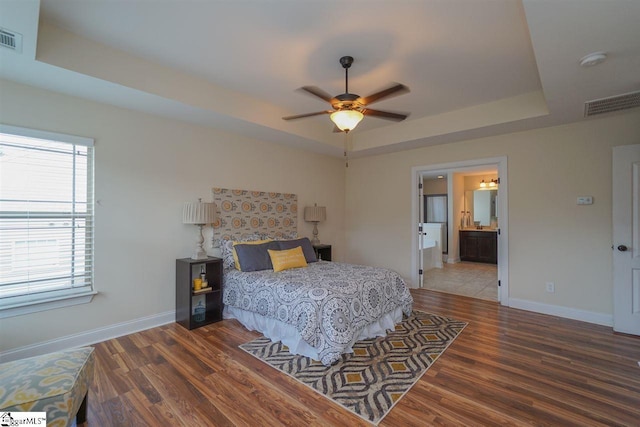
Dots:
pixel 146 168
pixel 550 237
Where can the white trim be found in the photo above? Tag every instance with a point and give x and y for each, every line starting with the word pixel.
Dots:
pixel 31 306
pixel 43 134
pixel 561 311
pixel 503 242
pixel 90 337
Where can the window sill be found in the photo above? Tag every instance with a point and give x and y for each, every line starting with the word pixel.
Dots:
pixel 48 304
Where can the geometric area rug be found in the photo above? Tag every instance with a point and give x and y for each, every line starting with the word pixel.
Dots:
pixel 369 381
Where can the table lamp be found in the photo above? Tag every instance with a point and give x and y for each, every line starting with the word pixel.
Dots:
pixel 200 214
pixel 315 214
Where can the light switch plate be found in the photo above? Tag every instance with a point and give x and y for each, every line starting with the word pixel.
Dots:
pixel 585 200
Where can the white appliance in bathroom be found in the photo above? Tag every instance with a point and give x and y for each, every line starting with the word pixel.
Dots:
pixel 432 238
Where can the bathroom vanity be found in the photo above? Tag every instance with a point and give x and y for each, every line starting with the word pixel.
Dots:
pixel 479 245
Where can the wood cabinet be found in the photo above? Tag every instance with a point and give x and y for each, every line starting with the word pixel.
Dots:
pixel 323 252
pixel 479 246
pixel 195 309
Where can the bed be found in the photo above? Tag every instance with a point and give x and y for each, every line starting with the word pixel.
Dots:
pixel 318 309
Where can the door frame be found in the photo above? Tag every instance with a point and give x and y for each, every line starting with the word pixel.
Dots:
pixel 503 241
pixel 625 200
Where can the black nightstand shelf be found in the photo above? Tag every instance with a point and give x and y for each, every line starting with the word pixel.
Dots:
pixel 323 252
pixel 187 300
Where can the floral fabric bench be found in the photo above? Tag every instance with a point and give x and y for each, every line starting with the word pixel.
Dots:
pixel 55 383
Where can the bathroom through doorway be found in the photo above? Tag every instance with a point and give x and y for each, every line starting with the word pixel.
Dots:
pixel 468 201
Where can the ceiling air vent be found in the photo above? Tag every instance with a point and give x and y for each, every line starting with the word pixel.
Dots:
pixel 613 103
pixel 10 40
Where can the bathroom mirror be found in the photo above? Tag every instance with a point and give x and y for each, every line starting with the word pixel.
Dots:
pixel 482 204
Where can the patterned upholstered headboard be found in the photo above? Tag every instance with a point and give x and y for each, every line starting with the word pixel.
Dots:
pixel 243 213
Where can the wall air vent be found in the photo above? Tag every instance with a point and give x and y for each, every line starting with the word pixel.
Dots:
pixel 11 40
pixel 613 103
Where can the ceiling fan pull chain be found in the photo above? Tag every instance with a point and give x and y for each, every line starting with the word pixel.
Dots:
pixel 346 149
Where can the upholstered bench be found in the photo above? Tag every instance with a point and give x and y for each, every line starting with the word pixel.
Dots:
pixel 55 383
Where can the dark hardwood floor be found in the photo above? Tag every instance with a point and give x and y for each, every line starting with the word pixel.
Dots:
pixel 508 367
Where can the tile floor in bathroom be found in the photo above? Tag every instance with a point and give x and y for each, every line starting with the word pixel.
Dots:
pixel 472 279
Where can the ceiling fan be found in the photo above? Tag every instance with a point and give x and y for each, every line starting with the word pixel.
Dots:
pixel 348 108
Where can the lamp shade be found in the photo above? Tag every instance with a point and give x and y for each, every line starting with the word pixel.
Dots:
pixel 199 213
pixel 346 120
pixel 315 213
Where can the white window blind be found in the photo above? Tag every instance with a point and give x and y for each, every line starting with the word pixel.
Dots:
pixel 46 216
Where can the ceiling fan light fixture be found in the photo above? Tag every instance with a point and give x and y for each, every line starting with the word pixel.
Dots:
pixel 348 107
pixel 346 120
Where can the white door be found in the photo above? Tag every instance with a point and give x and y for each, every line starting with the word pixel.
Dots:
pixel 626 239
pixel 420 231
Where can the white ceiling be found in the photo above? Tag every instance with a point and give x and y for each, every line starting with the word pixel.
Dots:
pixel 474 67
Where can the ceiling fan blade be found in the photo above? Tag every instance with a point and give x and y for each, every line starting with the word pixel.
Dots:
pixel 316 91
pixel 385 115
pixel 301 116
pixel 395 90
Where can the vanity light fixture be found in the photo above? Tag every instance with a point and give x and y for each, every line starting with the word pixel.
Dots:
pixel 491 185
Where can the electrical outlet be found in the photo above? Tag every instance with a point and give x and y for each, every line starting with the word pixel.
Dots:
pixel 551 287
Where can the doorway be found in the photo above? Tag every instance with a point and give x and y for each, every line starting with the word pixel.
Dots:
pixel 466 278
pixel 485 280
pixel 626 239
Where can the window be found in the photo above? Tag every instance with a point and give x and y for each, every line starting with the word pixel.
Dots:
pixel 46 220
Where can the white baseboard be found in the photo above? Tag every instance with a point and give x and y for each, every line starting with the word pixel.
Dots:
pixel 90 337
pixel 142 323
pixel 560 311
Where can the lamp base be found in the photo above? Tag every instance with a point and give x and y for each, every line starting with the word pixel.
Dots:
pixel 200 253
pixel 315 241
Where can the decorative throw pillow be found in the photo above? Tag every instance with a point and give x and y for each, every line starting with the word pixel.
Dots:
pixel 226 249
pixel 234 251
pixel 254 257
pixel 305 243
pixel 290 258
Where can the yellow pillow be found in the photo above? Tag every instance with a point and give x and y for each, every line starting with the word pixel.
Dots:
pixel 290 258
pixel 235 255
